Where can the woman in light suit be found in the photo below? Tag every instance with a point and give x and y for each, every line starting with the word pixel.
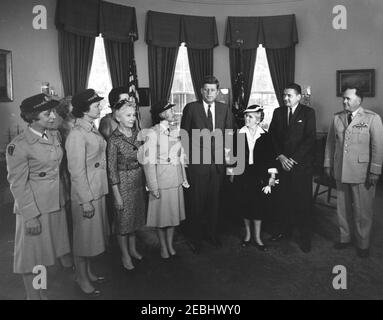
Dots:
pixel 85 148
pixel 165 176
pixel 35 178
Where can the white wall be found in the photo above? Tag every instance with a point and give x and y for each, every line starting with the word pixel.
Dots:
pixel 320 52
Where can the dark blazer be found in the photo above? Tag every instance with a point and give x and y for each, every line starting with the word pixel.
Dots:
pixel 296 141
pixel 194 117
pixel 263 156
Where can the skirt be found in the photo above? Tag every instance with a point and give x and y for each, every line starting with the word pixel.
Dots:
pixel 168 210
pixel 42 249
pixel 249 194
pixel 90 236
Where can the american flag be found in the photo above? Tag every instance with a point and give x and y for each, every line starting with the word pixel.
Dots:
pixel 133 84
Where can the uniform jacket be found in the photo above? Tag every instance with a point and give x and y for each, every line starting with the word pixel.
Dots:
pixel 34 173
pixel 296 141
pixel 86 155
pixel 357 149
pixel 163 152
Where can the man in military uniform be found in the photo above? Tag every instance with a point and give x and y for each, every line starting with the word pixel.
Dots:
pixel 354 156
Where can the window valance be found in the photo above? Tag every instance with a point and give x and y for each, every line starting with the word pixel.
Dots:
pixel 170 30
pixel 273 32
pixel 92 17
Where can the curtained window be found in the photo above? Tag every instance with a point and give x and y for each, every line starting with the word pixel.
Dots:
pixel 79 23
pixel 164 34
pixel 278 34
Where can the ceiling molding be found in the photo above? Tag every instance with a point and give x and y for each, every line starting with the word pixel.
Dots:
pixel 236 2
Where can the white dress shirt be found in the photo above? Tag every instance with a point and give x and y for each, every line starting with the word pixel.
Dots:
pixel 251 140
pixel 292 110
pixel 353 114
pixel 212 109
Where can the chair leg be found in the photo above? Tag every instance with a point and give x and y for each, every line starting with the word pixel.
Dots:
pixel 316 192
pixel 329 195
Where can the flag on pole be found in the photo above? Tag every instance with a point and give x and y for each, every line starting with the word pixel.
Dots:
pixel 133 83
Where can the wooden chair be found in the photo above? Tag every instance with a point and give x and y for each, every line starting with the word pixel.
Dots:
pixel 320 178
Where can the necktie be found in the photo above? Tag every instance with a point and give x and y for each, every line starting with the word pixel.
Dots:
pixel 290 115
pixel 210 118
pixel 349 117
pixel 44 135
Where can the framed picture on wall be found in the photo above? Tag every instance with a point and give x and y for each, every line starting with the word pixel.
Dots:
pixel 6 85
pixel 364 79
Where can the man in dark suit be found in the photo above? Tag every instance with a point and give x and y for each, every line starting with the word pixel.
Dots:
pixel 208 118
pixel 293 131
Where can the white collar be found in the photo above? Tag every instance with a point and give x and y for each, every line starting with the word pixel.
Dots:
pixel 164 125
pixel 355 112
pixel 245 129
pixel 293 108
pixel 206 105
pixel 39 134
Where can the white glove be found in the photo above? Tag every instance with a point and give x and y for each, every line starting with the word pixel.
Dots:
pixel 186 184
pixel 266 189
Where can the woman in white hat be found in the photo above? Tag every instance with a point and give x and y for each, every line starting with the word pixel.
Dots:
pixel 260 161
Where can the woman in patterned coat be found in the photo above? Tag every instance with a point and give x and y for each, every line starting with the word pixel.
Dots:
pixel 127 180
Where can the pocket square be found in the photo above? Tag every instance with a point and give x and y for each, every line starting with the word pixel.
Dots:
pixel 300 120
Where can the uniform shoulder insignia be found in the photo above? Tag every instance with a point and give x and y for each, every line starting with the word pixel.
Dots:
pixel 11 149
pixel 369 111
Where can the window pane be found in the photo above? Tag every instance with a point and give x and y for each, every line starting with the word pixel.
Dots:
pixel 99 78
pixel 182 88
pixel 262 89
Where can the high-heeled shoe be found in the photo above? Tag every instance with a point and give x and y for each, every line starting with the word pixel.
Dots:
pixel 245 243
pixel 125 268
pixel 260 247
pixel 138 260
pixel 94 294
pixel 99 280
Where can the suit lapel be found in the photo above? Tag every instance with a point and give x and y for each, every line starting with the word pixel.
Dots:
pixel 357 116
pixel 296 114
pixel 218 116
pixel 343 118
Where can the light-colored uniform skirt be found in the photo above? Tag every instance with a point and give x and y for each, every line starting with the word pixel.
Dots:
pixel 42 249
pixel 90 236
pixel 168 210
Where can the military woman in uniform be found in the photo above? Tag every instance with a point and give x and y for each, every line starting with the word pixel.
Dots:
pixel 86 148
pixel 165 176
pixel 33 163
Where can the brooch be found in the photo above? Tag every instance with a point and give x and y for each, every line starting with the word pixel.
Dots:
pixel 361 125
